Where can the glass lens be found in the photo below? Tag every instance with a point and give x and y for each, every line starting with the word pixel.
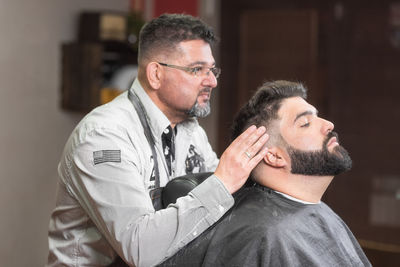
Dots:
pixel 216 71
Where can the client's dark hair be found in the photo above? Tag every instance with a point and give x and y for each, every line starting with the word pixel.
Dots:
pixel 168 30
pixel 263 106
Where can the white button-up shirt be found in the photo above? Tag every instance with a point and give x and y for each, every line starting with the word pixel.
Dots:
pixel 103 206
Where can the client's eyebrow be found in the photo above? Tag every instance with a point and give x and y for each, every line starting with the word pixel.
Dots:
pixel 305 113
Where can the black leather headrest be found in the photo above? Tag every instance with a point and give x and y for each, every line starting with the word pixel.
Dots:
pixel 181 186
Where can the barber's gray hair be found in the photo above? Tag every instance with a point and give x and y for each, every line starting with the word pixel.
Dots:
pixel 166 31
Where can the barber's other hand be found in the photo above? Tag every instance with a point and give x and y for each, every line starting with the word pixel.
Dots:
pixel 241 156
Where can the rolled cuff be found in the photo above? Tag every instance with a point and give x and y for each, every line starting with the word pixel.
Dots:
pixel 215 197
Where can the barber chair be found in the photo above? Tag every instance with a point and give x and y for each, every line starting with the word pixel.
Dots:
pixel 181 186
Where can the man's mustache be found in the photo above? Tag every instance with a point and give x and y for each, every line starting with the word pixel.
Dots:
pixel 205 90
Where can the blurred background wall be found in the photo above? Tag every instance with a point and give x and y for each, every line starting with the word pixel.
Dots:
pixel 346 52
pixel 33 127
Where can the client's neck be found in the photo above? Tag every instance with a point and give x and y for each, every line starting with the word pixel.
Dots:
pixel 303 187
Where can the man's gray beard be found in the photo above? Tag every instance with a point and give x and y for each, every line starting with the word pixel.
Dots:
pixel 320 162
pixel 199 112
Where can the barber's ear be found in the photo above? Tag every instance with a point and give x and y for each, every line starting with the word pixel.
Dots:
pixel 154 74
pixel 275 158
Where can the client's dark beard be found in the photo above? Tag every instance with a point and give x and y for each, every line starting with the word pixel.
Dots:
pixel 320 162
pixel 200 112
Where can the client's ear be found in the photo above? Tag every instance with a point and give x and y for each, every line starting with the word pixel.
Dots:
pixel 275 158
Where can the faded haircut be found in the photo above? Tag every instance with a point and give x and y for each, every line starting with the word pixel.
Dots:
pixel 166 31
pixel 262 108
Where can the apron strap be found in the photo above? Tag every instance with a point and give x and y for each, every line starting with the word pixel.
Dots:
pixel 155 194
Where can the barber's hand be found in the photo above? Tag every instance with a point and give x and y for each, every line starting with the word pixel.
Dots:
pixel 239 159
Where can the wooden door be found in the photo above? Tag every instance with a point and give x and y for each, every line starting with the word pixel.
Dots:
pixel 278 45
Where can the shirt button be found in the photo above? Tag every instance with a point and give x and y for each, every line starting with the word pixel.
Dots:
pixel 195 233
pixel 221 209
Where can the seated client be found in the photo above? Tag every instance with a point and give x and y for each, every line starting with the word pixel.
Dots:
pixel 278 218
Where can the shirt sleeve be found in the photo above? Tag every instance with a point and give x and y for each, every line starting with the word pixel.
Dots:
pixel 105 174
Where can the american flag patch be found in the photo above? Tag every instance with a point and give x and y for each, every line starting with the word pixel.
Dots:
pixel 102 156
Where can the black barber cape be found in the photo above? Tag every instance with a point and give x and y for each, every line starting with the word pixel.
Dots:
pixel 266 229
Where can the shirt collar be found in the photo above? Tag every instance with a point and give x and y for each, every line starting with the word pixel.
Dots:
pixel 157 119
pixel 295 199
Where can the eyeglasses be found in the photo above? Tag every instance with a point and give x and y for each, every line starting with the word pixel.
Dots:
pixel 196 71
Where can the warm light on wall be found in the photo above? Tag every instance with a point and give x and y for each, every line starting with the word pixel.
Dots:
pixel 154 8
pixel 175 6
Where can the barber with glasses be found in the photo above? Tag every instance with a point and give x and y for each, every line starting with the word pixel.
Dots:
pixel 116 161
pixel 196 71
